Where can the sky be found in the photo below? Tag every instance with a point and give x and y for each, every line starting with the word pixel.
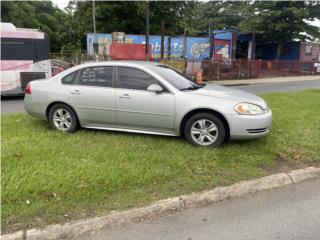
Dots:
pixel 61 3
pixel 316 22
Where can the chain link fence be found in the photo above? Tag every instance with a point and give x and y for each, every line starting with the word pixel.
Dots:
pixel 217 69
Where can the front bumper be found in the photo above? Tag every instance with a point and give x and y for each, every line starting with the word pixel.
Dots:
pixel 250 126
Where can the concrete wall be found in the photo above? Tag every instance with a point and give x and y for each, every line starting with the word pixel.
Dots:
pixel 309 52
pixel 197 47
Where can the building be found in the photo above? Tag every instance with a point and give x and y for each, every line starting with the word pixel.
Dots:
pixel 248 46
pixel 309 52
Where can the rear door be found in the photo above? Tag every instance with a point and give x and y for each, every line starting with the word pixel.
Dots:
pixel 138 108
pixel 93 96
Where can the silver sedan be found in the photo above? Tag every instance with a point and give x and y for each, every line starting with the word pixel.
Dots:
pixel 146 97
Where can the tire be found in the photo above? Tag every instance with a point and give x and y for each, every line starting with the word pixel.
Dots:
pixel 68 122
pixel 205 130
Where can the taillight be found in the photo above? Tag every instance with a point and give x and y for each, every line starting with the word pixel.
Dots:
pixel 28 89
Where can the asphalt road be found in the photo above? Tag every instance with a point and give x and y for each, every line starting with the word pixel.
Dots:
pixel 12 105
pixel 280 87
pixel 291 213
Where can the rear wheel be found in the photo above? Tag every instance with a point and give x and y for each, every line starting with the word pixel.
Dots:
pixel 205 130
pixel 63 118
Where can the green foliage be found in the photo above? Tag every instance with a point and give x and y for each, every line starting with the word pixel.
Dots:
pixel 283 21
pixel 35 14
pixel 221 14
pixel 275 20
pixel 128 17
pixel 174 14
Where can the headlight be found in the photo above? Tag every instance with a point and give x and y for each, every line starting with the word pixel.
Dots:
pixel 248 109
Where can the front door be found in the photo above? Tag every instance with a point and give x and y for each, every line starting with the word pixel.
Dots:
pixel 138 108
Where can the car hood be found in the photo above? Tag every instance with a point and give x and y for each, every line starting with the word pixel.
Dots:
pixel 230 93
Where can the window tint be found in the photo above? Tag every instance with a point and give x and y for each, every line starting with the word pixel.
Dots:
pixel 24 49
pixel 69 79
pixel 174 77
pixel 131 78
pixel 96 76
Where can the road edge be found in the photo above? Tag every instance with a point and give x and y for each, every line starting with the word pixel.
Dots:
pixel 255 81
pixel 74 229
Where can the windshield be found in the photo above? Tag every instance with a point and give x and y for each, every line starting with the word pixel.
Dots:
pixel 177 79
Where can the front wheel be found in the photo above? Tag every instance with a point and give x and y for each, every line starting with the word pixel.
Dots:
pixel 205 129
pixel 63 118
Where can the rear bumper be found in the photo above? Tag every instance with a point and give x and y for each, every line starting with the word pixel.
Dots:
pixel 33 108
pixel 246 127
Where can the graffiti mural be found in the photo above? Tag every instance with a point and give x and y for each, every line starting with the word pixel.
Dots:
pixel 197 47
pixel 223 48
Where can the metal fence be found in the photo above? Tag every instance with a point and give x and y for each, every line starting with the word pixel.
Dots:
pixel 217 69
pixel 245 68
pixel 289 68
pixel 74 58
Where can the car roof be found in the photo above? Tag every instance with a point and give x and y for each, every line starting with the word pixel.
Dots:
pixel 121 62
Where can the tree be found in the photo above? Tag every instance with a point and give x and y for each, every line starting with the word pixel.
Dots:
pixel 117 16
pixel 277 21
pixel 281 21
pixel 173 12
pixel 129 17
pixel 222 15
pixel 35 14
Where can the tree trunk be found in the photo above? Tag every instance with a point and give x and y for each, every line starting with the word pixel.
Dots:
pixel 279 51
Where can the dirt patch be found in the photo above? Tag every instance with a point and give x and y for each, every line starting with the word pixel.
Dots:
pixel 286 162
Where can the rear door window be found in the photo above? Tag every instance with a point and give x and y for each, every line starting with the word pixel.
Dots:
pixel 101 76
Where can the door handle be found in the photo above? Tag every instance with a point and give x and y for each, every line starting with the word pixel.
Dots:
pixel 75 92
pixel 125 96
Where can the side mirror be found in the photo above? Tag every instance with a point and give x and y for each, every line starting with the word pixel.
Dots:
pixel 155 88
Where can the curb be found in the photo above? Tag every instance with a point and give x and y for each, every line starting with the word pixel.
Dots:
pixel 304 174
pixel 74 229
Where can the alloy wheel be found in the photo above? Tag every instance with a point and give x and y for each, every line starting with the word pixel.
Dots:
pixel 62 119
pixel 204 132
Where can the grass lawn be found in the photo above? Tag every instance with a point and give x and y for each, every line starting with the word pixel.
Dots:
pixel 49 177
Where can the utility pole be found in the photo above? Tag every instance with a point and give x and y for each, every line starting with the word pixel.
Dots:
pixel 211 41
pixel 147 30
pixel 94 24
pixel 94 16
pixel 185 43
pixel 254 44
pixel 162 40
pixel 234 44
pixel 185 50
